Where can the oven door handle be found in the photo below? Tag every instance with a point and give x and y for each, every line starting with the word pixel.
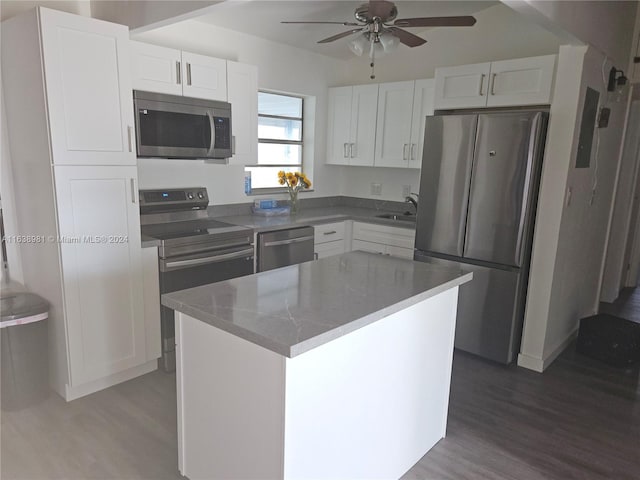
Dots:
pixel 203 261
pixel 288 242
pixel 212 147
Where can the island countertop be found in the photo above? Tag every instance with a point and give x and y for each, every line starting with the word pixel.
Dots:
pixel 294 309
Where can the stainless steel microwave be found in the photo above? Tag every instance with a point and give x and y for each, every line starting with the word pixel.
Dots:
pixel 170 126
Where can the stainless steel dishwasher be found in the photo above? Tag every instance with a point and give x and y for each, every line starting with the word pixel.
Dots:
pixel 280 248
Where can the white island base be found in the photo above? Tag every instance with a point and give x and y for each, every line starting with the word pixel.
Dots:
pixel 369 404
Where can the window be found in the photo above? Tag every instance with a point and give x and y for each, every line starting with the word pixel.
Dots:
pixel 279 138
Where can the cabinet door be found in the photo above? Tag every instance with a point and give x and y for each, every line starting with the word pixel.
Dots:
pixel 155 69
pixel 464 86
pixel 339 125
pixel 400 252
pixel 204 77
pixel 393 129
pixel 364 107
pixel 371 247
pixel 328 249
pixel 88 83
pixel 151 296
pixel 100 250
pixel 242 90
pixel 523 81
pixel 384 234
pixel 422 107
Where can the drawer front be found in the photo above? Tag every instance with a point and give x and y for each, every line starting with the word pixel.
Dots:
pixel 400 252
pixel 329 232
pixel 371 247
pixel 395 236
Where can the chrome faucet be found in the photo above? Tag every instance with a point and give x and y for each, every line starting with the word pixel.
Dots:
pixel 411 200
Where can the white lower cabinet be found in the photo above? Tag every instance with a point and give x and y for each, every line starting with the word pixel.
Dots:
pixel 151 298
pixel 383 239
pixel 100 255
pixel 330 239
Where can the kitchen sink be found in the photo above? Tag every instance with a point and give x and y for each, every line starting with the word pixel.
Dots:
pixel 396 216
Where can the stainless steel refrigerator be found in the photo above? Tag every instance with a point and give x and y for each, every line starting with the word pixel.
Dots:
pixel 478 194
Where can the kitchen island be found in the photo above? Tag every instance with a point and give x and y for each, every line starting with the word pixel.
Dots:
pixel 338 368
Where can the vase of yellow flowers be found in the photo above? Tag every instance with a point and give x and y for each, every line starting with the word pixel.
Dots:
pixel 294 181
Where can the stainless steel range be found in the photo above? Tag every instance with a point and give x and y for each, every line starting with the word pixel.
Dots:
pixel 194 249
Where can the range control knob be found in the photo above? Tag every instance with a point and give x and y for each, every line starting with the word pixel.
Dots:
pixel 190 196
pixel 200 195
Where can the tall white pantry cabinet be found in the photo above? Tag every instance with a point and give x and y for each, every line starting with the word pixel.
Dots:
pixel 68 100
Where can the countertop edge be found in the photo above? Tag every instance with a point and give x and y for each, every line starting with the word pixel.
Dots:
pixel 321 339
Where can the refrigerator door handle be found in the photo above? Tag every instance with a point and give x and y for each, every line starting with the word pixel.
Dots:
pixel 533 143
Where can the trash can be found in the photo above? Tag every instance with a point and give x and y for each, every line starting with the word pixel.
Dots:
pixel 24 349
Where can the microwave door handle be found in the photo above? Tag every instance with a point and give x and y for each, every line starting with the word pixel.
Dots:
pixel 212 147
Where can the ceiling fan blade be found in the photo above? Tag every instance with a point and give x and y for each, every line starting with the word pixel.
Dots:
pixel 381 8
pixel 340 35
pixel 347 24
pixel 409 39
pixel 467 21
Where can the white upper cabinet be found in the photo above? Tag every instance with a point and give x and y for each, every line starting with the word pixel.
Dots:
pixel 351 127
pixel 422 108
pixel 402 109
pixel 521 81
pixel 393 130
pixel 339 125
pixel 242 91
pixel 156 69
pixel 464 86
pixel 204 77
pixel 167 70
pixel 88 85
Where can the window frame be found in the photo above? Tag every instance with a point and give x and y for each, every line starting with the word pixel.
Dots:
pixel 274 141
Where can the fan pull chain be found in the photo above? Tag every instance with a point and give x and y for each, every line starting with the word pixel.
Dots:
pixel 372 56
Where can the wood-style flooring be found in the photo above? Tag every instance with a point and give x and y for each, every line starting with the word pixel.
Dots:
pixel 578 420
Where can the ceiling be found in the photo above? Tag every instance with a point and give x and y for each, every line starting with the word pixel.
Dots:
pixel 262 18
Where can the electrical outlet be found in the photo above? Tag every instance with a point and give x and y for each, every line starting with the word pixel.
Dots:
pixel 406 190
pixel 376 189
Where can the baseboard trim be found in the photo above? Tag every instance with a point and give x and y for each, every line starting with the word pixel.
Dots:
pixel 541 364
pixel 72 393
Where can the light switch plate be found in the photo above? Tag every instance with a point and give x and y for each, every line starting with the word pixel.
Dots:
pixel 376 189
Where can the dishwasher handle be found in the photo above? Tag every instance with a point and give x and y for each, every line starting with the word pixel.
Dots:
pixel 288 242
pixel 193 262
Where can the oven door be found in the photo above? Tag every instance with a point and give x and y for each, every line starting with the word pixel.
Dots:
pixel 187 271
pixel 175 130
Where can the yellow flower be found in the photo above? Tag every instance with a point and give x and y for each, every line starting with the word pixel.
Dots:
pixel 281 181
pixel 281 174
pixel 294 181
pixel 289 176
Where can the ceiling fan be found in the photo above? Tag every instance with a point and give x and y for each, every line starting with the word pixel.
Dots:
pixel 379 34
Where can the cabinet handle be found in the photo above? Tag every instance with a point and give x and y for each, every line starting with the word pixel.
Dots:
pixel 346 155
pixel 133 190
pixel 412 155
pixel 352 150
pixel 404 151
pixel 493 83
pixel 178 74
pixel 315 255
pixel 481 84
pixel 130 137
pixel 233 144
pixel 329 233
pixel 188 73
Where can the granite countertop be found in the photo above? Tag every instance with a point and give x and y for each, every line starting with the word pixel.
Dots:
pixel 308 216
pixel 294 309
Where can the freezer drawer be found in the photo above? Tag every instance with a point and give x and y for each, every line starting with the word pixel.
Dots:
pixel 490 311
pixel 284 247
pixel 444 183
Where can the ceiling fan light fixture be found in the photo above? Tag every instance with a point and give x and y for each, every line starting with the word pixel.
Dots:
pixel 388 41
pixel 359 44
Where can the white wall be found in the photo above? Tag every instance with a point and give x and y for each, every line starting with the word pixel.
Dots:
pixel 10 8
pixel 606 25
pixel 280 67
pixel 570 237
pixel 141 15
pixel 615 270
pixel 499 34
